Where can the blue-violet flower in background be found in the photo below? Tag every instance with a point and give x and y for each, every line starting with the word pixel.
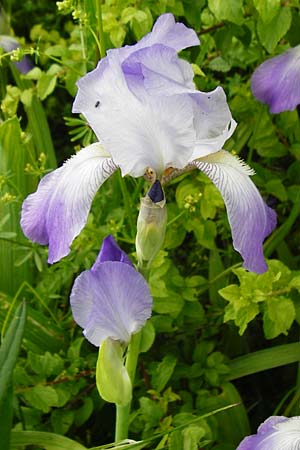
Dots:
pixel 8 44
pixel 276 433
pixel 277 81
pixel 143 106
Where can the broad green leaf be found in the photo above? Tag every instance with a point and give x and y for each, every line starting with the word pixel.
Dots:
pixel 10 348
pixel 231 10
pixel 271 33
pixel 6 417
pixel 255 362
pixel 13 157
pixel 48 441
pixel 267 9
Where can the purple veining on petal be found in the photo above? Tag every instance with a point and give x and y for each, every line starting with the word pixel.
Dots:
pixel 110 251
pixel 56 213
pixel 250 219
pixel 159 65
pixel 276 433
pixel 112 301
pixel 277 81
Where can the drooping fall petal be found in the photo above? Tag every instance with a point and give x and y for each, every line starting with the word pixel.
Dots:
pixel 250 219
pixel 56 213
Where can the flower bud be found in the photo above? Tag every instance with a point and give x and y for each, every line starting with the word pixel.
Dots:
pixel 112 379
pixel 151 225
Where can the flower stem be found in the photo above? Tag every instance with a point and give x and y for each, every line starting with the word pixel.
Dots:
pixel 100 28
pixel 122 412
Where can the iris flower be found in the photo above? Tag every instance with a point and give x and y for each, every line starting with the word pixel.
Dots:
pixel 276 433
pixel 111 300
pixel 143 106
pixel 277 81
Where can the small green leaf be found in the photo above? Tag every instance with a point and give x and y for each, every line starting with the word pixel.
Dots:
pixel 41 397
pixel 231 10
pixel 219 64
pixel 267 9
pixel 46 85
pixel 148 336
pixel 278 317
pixel 271 33
pixel 163 372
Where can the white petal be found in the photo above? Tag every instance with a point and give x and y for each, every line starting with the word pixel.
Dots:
pixel 137 132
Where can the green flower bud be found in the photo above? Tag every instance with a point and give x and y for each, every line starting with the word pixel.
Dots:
pixel 112 379
pixel 151 225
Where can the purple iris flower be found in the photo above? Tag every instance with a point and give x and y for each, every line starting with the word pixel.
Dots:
pixel 144 108
pixel 111 300
pixel 276 433
pixel 277 81
pixel 8 44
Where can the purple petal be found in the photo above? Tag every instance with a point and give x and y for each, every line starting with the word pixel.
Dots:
pixel 56 213
pixel 169 33
pixel 276 433
pixel 250 219
pixel 159 65
pixel 110 301
pixel 110 251
pixel 277 81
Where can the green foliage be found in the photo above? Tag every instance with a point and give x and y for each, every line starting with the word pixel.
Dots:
pixel 270 293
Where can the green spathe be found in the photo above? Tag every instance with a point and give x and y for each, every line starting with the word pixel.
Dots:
pixel 151 229
pixel 112 379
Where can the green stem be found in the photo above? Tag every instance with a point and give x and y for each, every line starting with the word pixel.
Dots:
pixel 122 412
pixel 128 207
pixel 100 28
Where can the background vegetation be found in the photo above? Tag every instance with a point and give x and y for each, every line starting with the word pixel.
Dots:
pixel 220 335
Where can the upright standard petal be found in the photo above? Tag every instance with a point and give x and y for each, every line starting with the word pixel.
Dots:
pixel 112 300
pixel 250 219
pixel 165 75
pixel 138 132
pixel 276 433
pixel 110 251
pixel 56 213
pixel 277 81
pixel 167 32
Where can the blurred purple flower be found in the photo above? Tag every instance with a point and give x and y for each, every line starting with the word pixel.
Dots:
pixel 8 44
pixel 276 433
pixel 144 108
pixel 111 300
pixel 277 81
